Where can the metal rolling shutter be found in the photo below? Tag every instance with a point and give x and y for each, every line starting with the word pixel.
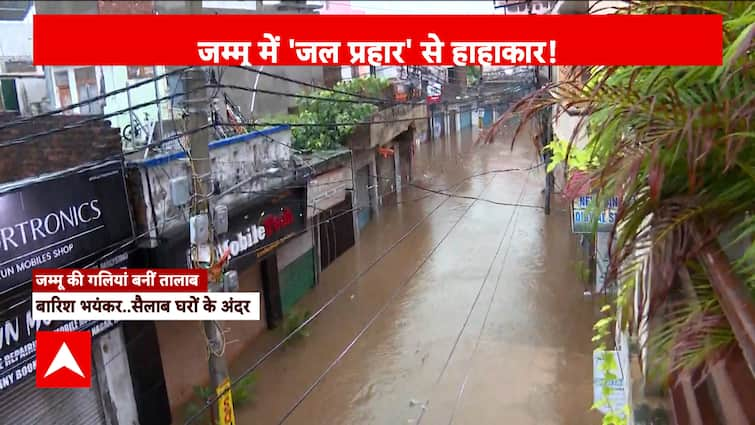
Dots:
pixel 25 404
pixel 363 204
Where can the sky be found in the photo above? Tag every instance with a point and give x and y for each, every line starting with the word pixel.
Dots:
pixel 462 7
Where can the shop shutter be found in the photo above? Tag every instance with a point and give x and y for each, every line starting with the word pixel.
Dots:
pixel 296 280
pixel 25 404
pixel 296 270
pixel 363 205
pixel 487 117
pixel 336 232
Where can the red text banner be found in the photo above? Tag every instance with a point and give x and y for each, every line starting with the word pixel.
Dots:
pixel 119 280
pixel 378 40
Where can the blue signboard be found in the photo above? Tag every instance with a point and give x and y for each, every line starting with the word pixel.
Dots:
pixel 583 215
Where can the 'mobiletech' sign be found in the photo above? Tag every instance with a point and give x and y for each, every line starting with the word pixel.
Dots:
pixel 56 222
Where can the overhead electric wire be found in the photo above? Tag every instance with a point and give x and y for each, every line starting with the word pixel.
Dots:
pixel 476 300
pixel 388 303
pixel 314 315
pixel 103 117
pixel 328 89
pixel 24 120
pixel 93 118
pixel 343 289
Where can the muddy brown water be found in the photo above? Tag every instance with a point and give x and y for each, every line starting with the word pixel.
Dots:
pixel 475 317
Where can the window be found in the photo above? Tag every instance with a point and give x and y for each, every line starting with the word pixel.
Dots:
pixel 63 89
pixel 139 72
pixel 86 88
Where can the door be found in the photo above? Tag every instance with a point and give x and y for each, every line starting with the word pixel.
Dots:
pixel 386 171
pixel 9 95
pixel 405 162
pixel 146 366
pixel 364 201
pixel 271 291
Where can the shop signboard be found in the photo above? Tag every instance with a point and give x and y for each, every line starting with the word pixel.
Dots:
pixel 583 219
pixel 59 221
pixel 258 230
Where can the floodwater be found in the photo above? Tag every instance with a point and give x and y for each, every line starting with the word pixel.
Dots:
pixel 456 311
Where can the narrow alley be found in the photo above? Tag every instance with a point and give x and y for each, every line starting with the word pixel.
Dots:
pixel 448 310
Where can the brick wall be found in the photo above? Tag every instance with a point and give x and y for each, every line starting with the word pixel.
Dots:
pixel 54 152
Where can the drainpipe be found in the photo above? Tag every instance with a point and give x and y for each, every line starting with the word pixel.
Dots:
pixel 49 76
pixel 254 93
pixel 159 114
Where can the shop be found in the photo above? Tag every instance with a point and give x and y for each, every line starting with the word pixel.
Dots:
pixel 330 205
pixel 264 238
pixel 46 224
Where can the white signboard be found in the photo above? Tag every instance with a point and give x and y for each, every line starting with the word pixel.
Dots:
pixel 327 190
pixel 617 398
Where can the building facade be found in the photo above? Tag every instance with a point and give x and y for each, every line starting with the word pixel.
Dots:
pixel 89 227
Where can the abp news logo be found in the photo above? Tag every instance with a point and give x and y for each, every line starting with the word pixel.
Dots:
pixel 64 359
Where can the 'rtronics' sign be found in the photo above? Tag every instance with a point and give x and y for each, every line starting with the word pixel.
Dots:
pixel 583 215
pixel 56 222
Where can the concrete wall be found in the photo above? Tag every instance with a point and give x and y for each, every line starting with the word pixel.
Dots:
pixel 266 105
pixel 116 78
pixel 239 159
pixel 391 122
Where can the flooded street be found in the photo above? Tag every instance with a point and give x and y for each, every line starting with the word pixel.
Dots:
pixel 449 310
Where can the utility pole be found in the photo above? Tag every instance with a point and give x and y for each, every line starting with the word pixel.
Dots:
pixel 197 105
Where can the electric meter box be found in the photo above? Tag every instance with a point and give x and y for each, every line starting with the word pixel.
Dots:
pixel 199 226
pixel 180 193
pixel 220 219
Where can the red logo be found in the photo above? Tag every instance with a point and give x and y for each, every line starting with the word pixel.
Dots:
pixel 64 359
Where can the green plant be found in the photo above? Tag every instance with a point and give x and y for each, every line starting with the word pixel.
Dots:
pixel 474 73
pixel 579 159
pixel 330 109
pixel 241 393
pixel 293 320
pixel 610 371
pixel 676 145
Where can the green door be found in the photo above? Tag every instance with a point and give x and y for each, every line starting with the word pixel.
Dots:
pixel 296 280
pixel 10 95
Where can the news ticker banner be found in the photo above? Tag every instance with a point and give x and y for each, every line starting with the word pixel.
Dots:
pixel 377 40
pixel 135 294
